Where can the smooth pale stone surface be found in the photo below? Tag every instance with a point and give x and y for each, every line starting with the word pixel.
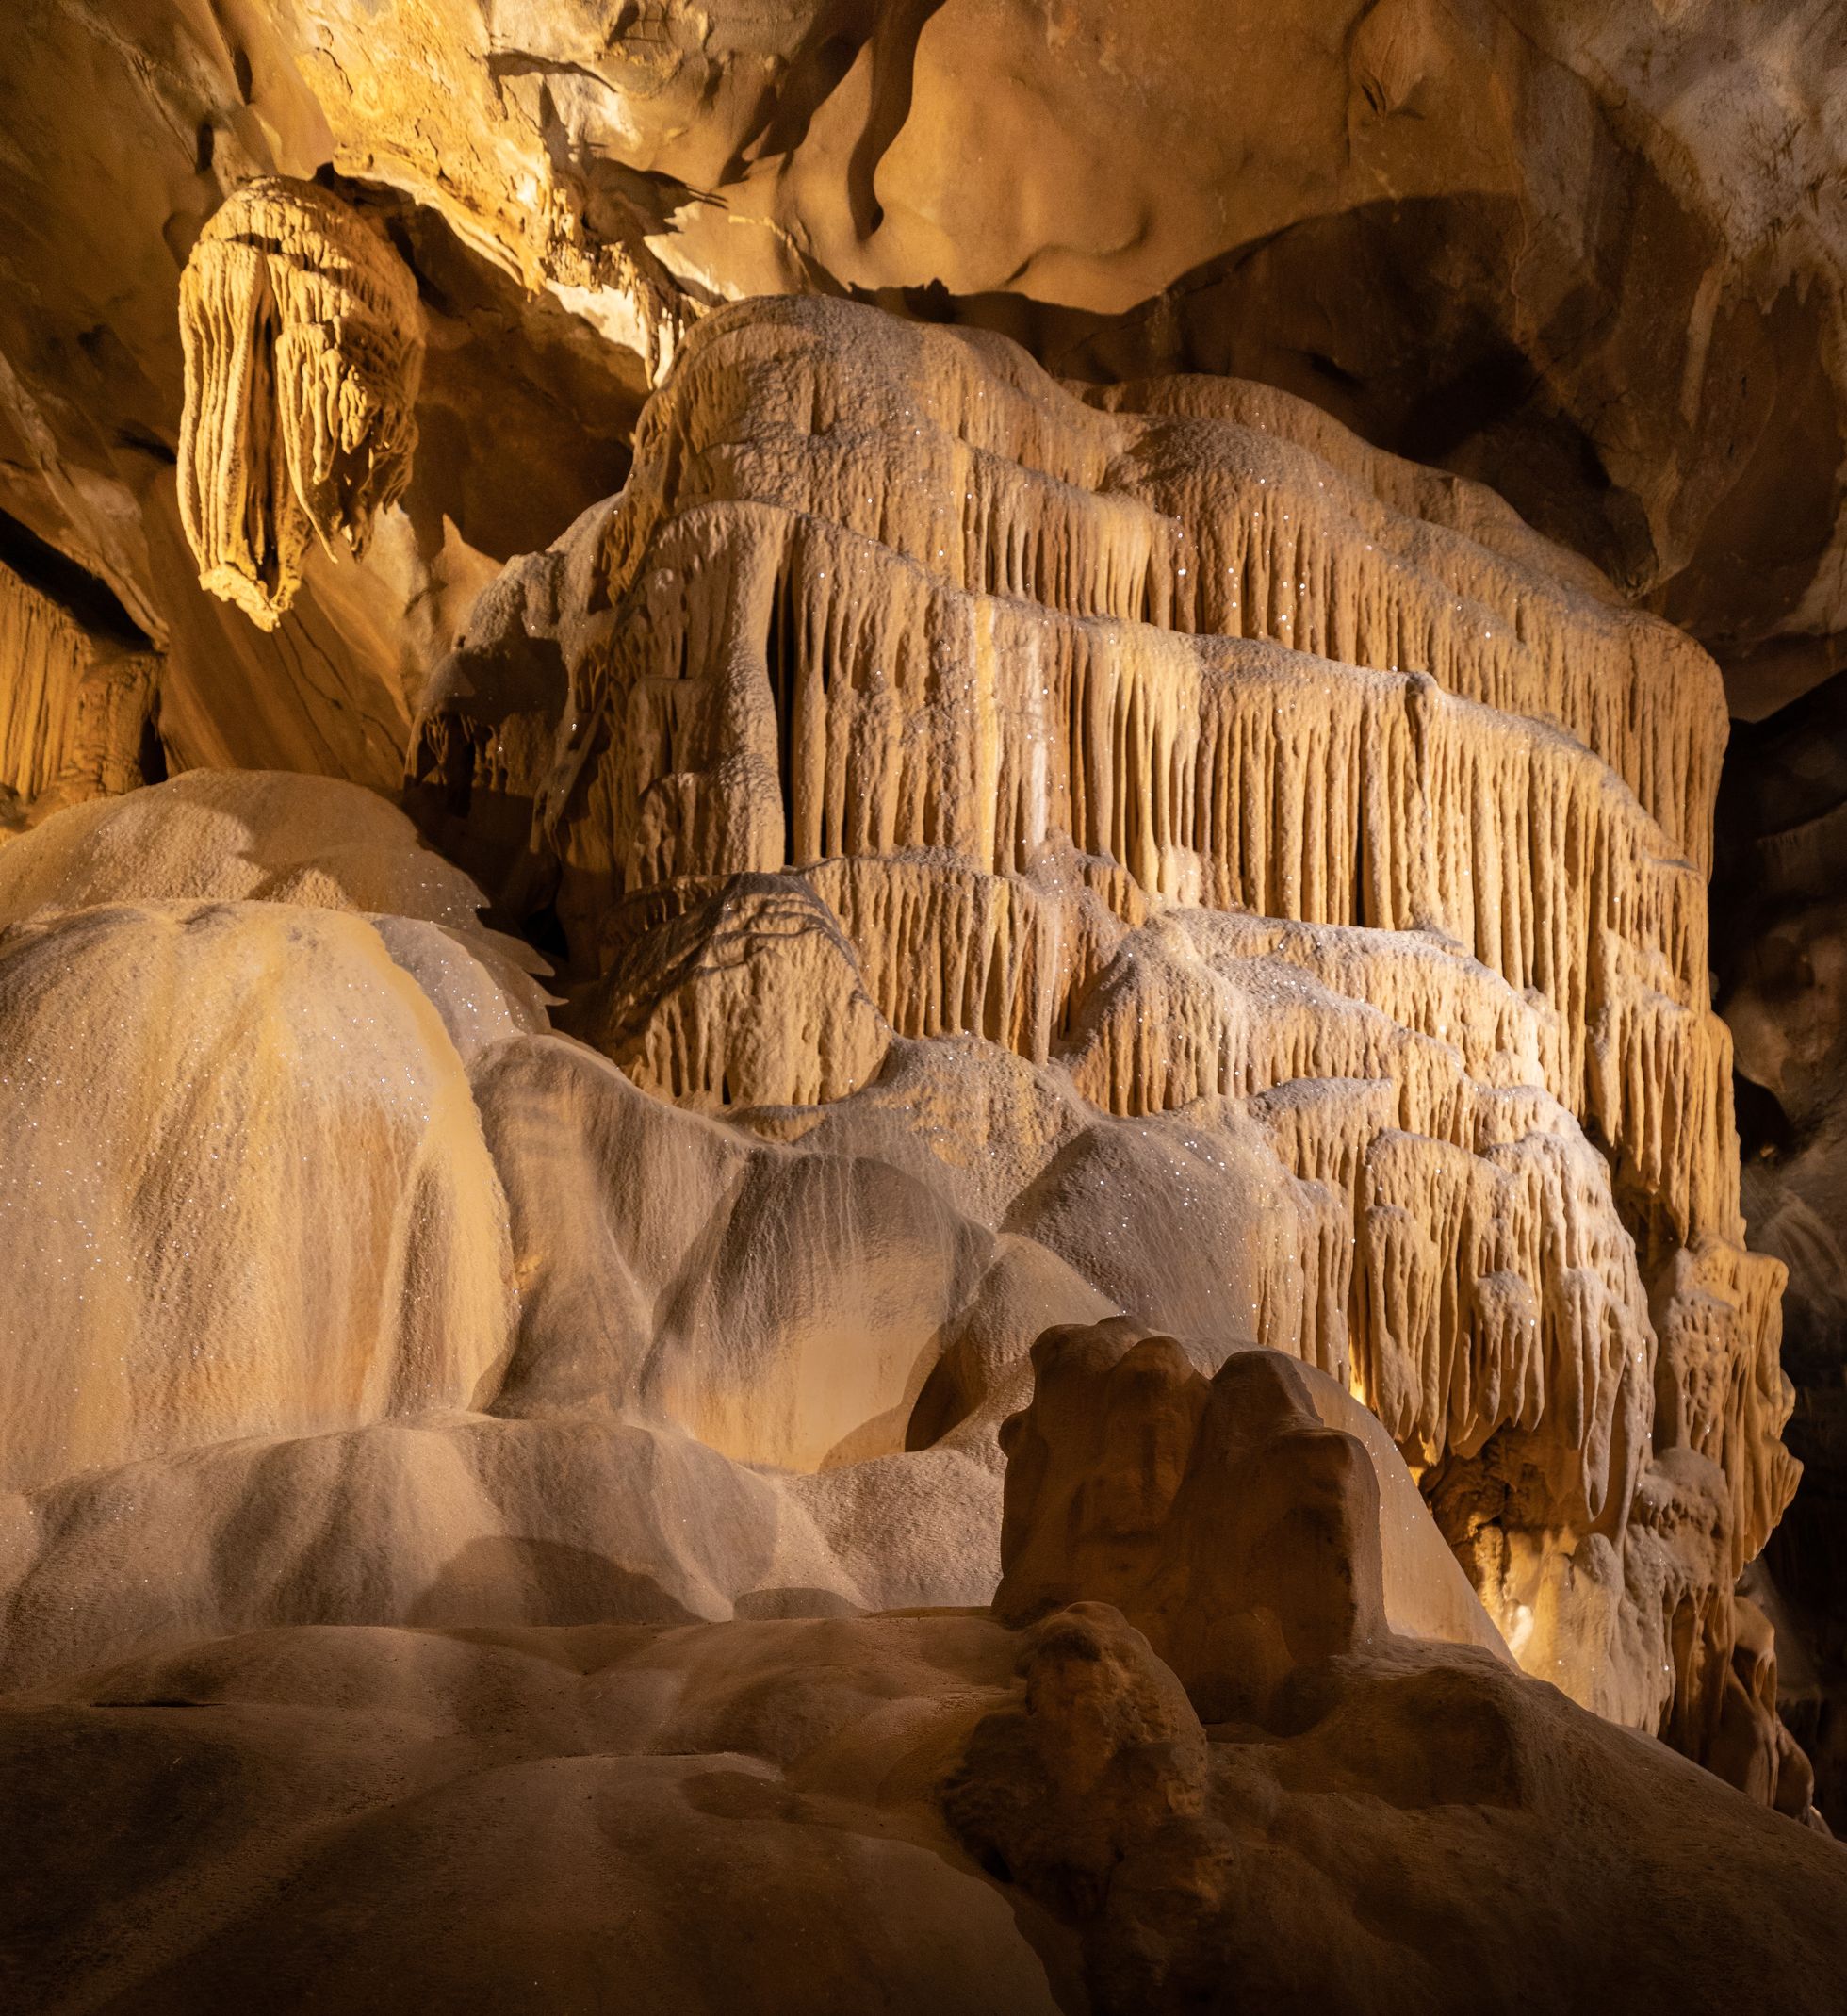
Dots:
pixel 245 1189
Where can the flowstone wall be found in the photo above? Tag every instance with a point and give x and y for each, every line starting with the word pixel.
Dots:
pixel 1222 772
pixel 1009 1199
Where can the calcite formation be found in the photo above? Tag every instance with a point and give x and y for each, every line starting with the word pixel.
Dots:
pixel 1216 766
pixel 303 351
pixel 1236 1522
pixel 952 1220
pixel 245 1158
pixel 1189 1565
pixel 77 711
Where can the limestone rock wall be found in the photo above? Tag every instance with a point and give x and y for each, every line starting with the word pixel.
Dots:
pixel 1781 954
pixel 76 714
pixel 1590 254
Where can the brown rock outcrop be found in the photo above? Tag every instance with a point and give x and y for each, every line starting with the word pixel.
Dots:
pixel 1232 1525
pixel 749 1813
pixel 1194 1564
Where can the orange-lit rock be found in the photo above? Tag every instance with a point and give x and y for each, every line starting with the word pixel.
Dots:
pixel 1324 846
pixel 1013 1194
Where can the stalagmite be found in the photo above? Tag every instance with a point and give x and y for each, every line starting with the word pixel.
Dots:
pixel 303 350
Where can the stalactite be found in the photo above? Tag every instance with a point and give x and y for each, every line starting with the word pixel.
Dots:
pixel 75 712
pixel 303 350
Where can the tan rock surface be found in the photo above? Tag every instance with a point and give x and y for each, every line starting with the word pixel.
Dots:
pixel 1592 252
pixel 75 709
pixel 246 1190
pixel 1326 848
pixel 783 1814
pixel 1228 1520
pixel 1135 1033
pixel 229 837
pixel 304 352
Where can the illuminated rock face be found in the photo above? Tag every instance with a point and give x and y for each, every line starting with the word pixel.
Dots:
pixel 303 348
pixel 1245 790
pixel 247 1191
pixel 74 712
pixel 264 1207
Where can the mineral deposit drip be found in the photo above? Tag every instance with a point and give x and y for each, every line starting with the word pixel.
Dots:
pixel 75 712
pixel 1279 805
pixel 304 349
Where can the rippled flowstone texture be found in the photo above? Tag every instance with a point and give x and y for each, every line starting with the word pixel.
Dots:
pixel 1309 1781
pixel 1232 816
pixel 1126 1065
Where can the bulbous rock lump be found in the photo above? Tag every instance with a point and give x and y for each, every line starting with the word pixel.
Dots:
pixel 1199 1581
pixel 303 350
pixel 246 1190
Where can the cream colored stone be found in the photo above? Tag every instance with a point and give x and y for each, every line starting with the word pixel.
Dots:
pixel 1327 847
pixel 246 1191
pixel 304 349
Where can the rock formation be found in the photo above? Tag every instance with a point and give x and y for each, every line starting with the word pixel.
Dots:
pixel 304 349
pixel 1213 765
pixel 1013 1195
pixel 1232 1524
pixel 1591 255
pixel 920 1809
pixel 1781 949
pixel 1127 1786
pixel 75 709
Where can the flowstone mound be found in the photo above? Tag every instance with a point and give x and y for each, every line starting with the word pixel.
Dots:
pixel 246 1190
pixel 1281 868
pixel 344 1292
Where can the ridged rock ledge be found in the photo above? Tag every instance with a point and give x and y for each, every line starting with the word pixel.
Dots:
pixel 1232 817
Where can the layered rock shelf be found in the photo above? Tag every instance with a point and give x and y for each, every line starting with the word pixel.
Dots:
pixel 1219 766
